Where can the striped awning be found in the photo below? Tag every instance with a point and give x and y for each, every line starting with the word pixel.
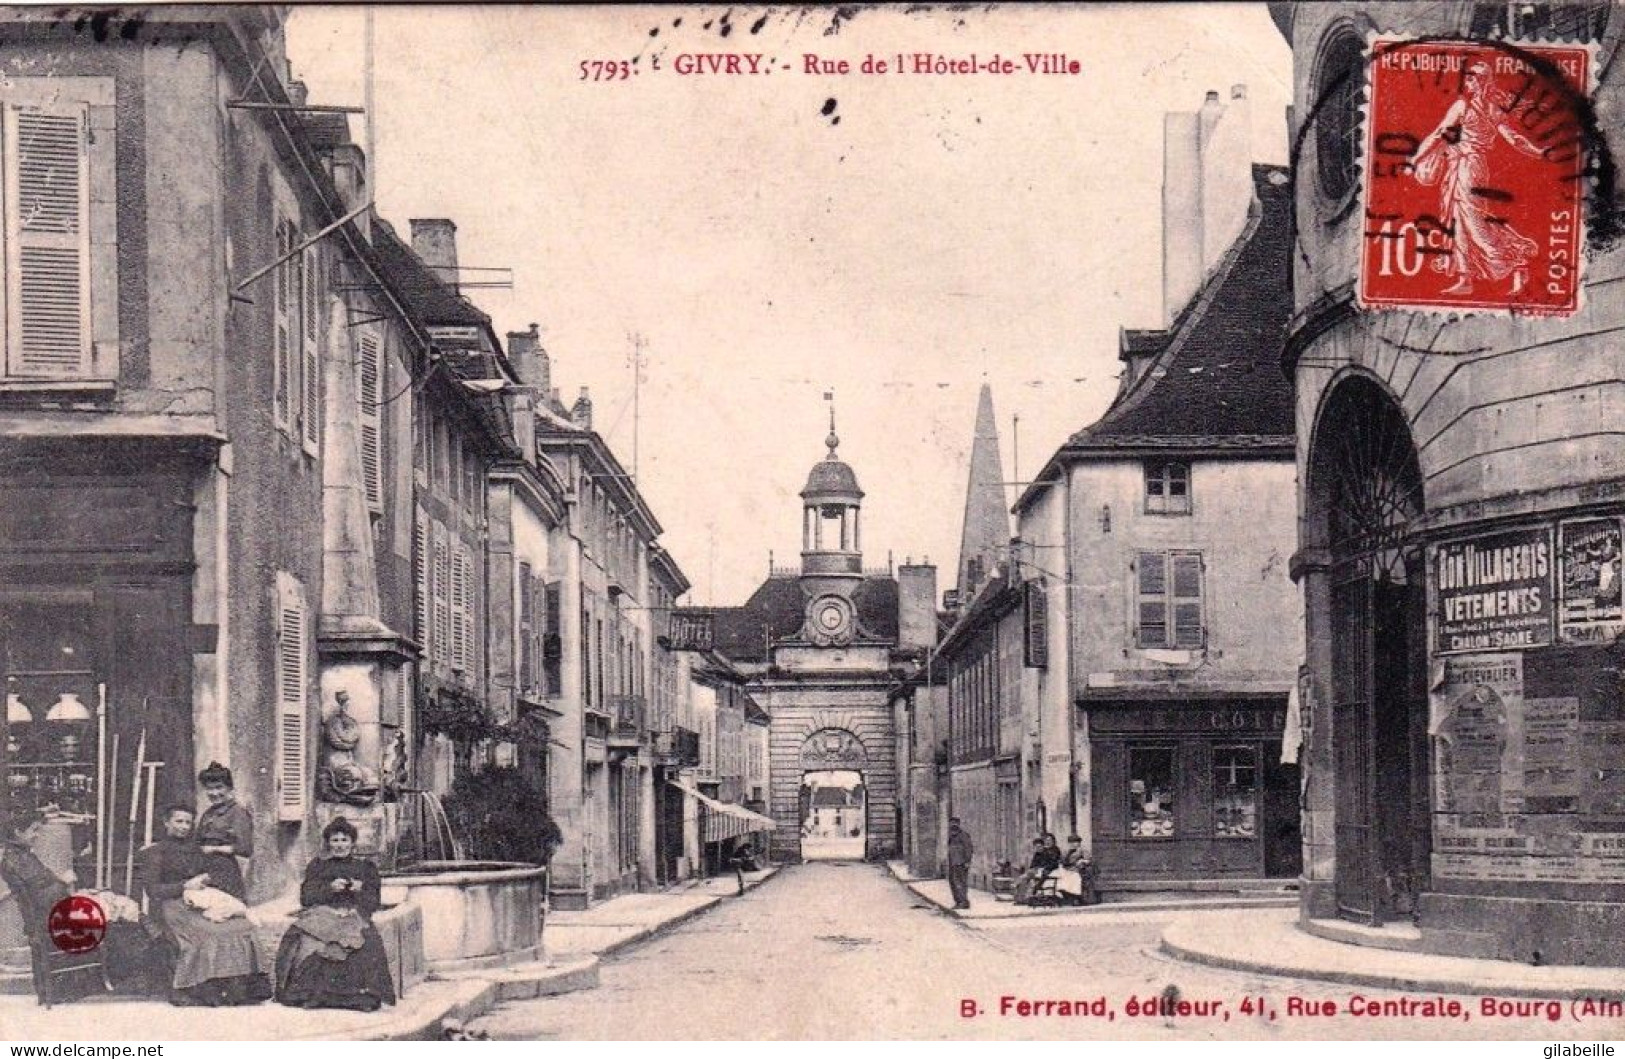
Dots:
pixel 720 821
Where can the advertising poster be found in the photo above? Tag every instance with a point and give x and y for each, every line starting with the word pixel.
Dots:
pixel 1493 592
pixel 1591 596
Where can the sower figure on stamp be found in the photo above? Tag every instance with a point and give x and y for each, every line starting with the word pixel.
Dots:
pixel 1455 155
pixel 959 855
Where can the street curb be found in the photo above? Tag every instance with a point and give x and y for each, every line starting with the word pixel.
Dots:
pixel 475 998
pixel 1104 908
pixel 1189 952
pixel 621 945
pixel 478 995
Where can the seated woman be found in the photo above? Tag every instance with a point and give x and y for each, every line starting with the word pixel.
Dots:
pixel 332 956
pixel 225 831
pixel 216 963
pixel 1075 881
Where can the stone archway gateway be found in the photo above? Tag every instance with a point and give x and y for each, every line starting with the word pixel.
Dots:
pixel 1365 494
pixel 833 803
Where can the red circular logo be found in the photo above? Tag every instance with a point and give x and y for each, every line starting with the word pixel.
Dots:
pixel 77 924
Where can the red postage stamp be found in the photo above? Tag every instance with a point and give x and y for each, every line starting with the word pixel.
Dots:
pixel 1475 158
pixel 76 924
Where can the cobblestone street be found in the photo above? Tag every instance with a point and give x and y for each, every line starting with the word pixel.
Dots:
pixel 839 950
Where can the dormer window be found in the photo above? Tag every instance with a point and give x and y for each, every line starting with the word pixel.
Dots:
pixel 1168 488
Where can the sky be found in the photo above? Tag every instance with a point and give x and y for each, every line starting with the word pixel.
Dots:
pixel 945 231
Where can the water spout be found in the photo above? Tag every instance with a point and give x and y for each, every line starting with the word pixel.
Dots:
pixel 429 826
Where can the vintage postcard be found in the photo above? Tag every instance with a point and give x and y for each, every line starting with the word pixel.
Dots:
pixel 920 522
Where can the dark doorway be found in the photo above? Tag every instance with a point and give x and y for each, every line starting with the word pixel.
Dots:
pixel 1367 490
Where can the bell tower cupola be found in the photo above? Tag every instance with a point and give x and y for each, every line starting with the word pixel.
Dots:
pixel 831 531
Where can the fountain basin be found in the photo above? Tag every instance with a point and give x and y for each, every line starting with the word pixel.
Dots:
pixel 475 913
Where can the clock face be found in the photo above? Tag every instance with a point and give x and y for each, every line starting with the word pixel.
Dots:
pixel 831 620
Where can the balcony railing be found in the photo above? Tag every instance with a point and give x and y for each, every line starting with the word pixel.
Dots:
pixel 680 746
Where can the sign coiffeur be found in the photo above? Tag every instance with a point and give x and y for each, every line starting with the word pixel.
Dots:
pixel 1493 592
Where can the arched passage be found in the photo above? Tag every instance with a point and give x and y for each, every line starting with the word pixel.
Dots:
pixel 1365 494
pixel 834 803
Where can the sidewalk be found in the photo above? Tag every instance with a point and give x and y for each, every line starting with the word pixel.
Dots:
pixel 1270 942
pixel 574 943
pixel 608 928
pixel 983 905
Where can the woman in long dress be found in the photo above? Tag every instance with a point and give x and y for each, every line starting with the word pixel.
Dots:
pixel 1456 157
pixel 332 956
pixel 216 962
pixel 225 831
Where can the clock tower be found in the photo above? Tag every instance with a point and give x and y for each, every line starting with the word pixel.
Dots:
pixel 831 547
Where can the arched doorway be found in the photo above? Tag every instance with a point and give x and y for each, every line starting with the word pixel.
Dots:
pixel 1365 492
pixel 834 800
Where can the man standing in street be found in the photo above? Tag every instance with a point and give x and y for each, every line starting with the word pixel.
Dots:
pixel 959 854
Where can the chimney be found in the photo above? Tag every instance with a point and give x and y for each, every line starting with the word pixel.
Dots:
pixel 350 176
pixel 531 360
pixel 298 92
pixel 1207 189
pixel 1227 177
pixel 916 605
pixel 581 412
pixel 434 239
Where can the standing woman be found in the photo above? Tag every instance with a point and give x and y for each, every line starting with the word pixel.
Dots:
pixel 225 831
pixel 332 956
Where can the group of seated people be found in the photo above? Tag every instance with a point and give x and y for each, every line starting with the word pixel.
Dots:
pixel 197 919
pixel 1065 877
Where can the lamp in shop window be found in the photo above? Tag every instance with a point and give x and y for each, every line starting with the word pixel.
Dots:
pixel 16 710
pixel 67 707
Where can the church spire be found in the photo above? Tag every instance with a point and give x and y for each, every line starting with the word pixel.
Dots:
pixel 986 533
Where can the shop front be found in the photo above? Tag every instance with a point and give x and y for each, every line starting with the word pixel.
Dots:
pixel 96 641
pixel 1191 789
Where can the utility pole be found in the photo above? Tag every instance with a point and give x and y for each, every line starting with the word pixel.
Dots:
pixel 638 343
pixel 367 67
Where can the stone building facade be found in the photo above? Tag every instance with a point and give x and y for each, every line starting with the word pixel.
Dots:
pixel 1462 485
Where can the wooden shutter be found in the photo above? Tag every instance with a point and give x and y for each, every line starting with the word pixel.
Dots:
pixel 442 596
pixel 282 396
pixel 472 652
pixel 310 412
pixel 552 640
pixel 527 630
pixel 420 576
pixel 48 241
pixel 459 608
pixel 370 366
pixel 1153 599
pixel 1187 600
pixel 293 779
pixel 1035 624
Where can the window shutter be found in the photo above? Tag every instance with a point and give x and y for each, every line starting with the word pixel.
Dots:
pixel 48 242
pixel 527 630
pixel 1035 612
pixel 1153 599
pixel 459 608
pixel 370 368
pixel 292 771
pixel 310 412
pixel 1187 600
pixel 442 597
pixel 552 640
pixel 282 393
pixel 420 576
pixel 470 653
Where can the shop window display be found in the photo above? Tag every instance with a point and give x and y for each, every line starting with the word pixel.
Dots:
pixel 1235 792
pixel 1151 792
